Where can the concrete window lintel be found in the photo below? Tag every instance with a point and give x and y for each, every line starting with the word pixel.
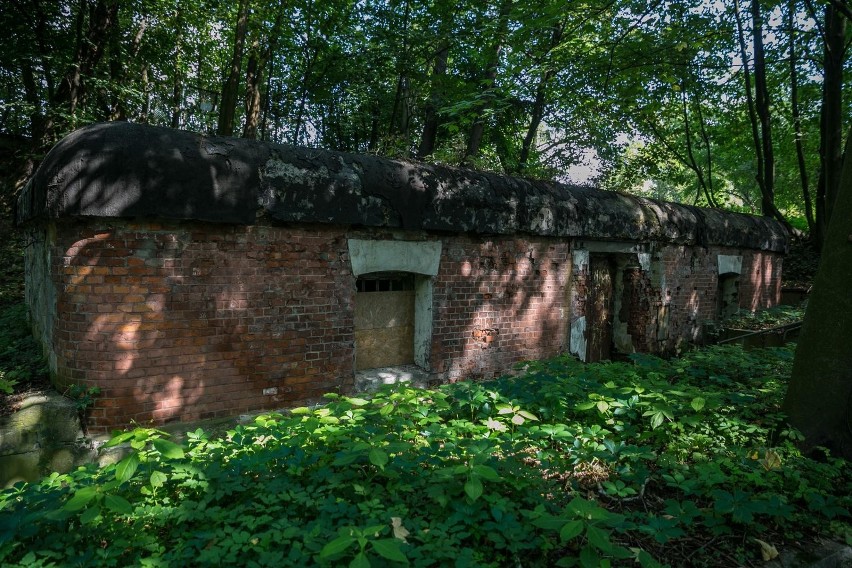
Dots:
pixel 418 257
pixel 623 247
pixel 729 264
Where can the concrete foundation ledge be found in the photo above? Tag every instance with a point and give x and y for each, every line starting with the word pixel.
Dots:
pixel 44 435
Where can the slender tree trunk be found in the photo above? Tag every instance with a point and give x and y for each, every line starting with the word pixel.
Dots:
pixel 762 106
pixel 228 107
pixel 309 56
pixel 254 76
pixel 693 163
pixel 477 130
pixel 797 121
pixel 831 118
pixel 432 121
pixel 705 137
pixel 32 98
pixel 90 49
pixel 537 112
pixel 399 114
pixel 258 60
pixel 146 101
pixel 118 69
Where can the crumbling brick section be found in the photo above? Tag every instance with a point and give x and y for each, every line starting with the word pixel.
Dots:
pixel 193 321
pixel 497 301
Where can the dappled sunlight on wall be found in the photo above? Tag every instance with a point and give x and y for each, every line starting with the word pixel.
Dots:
pixel 502 301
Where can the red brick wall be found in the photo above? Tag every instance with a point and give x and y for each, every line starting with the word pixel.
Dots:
pixel 497 301
pixel 188 321
pixel 195 321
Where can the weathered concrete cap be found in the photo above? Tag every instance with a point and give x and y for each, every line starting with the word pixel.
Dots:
pixel 126 170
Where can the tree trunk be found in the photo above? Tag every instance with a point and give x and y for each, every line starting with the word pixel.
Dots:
pixel 399 114
pixel 537 112
pixel 762 104
pixel 118 69
pixel 752 115
pixel 228 108
pixel 831 119
pixel 797 121
pixel 819 398
pixel 254 76
pixel 477 130
pixel 258 60
pixel 432 121
pixel 90 50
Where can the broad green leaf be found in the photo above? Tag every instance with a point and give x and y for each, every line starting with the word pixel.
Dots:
pixel 599 538
pixel 389 548
pixel 119 439
pixel 356 401
pixel 118 504
pixel 602 405
pixel 158 478
pixel 528 415
pixel 378 457
pixel 589 558
pixel 337 546
pixel 571 529
pixel 473 488
pixel 90 515
pixel 549 522
pixel 81 498
pixel 346 459
pixel 486 472
pixel 697 403
pixel 584 405
pixel 168 449
pixel 373 531
pixel 646 560
pixel 360 561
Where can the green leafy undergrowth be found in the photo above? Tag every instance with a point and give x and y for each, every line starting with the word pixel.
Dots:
pixel 765 319
pixel 648 462
pixel 21 361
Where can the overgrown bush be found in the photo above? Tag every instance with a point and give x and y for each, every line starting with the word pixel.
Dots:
pixel 685 462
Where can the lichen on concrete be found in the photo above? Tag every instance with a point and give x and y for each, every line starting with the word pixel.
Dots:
pixel 130 170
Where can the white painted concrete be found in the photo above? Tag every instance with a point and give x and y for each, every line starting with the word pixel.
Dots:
pixel 578 338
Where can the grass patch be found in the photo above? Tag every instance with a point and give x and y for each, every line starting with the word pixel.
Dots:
pixel 680 462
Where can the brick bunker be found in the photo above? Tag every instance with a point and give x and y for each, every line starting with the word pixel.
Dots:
pixel 192 277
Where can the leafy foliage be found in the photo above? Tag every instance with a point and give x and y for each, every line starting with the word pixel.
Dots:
pixel 764 319
pixel 650 93
pixel 21 361
pixel 568 465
